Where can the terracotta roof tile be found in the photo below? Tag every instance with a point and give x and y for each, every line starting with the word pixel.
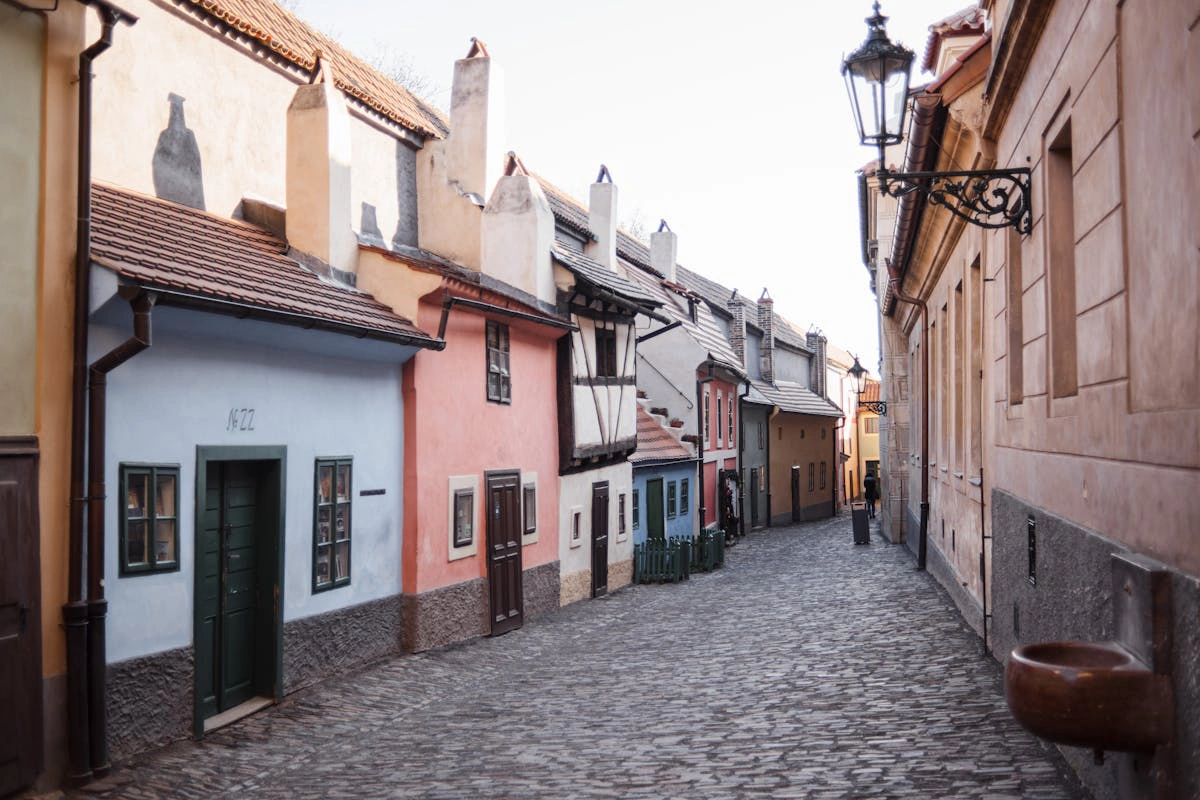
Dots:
pixel 969 21
pixel 870 391
pixel 173 247
pixel 278 29
pixel 655 443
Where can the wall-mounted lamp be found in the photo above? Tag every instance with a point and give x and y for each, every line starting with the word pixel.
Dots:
pixel 859 375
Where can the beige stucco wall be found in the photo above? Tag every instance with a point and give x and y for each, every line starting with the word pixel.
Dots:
pixel 788 448
pixel 1121 456
pixel 22 46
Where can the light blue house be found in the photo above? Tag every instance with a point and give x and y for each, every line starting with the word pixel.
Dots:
pixel 664 483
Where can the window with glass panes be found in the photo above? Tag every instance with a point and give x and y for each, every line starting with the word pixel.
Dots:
pixel 149 534
pixel 636 510
pixel 331 529
pixel 683 496
pixel 671 499
pixel 621 514
pixel 606 353
pixel 729 440
pixel 812 474
pixel 499 379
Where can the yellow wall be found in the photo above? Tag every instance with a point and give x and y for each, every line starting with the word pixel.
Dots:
pixel 22 43
pixel 788 449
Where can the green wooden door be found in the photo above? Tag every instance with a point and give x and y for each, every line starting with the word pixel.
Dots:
pixel 228 592
pixel 655 520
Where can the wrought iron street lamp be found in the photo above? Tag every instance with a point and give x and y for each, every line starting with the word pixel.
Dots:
pixel 859 375
pixel 877 78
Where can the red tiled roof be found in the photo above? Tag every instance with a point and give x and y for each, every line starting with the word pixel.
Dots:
pixel 278 29
pixel 870 391
pixel 654 442
pixel 969 21
pixel 172 247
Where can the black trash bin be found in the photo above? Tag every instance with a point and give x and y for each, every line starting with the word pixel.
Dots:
pixel 862 528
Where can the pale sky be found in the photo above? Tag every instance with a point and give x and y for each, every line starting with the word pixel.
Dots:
pixel 729 120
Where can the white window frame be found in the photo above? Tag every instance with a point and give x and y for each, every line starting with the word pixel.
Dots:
pixel 455 484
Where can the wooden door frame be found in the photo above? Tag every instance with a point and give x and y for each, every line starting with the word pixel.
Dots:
pixel 205 454
pixel 488 477
pixel 598 486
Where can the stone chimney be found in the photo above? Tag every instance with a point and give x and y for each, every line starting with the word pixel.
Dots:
pixel 455 175
pixel 664 249
pixel 318 172
pixel 818 366
pixel 518 233
pixel 737 328
pixel 602 219
pixel 766 321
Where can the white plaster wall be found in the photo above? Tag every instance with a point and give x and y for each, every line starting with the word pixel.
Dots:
pixel 178 394
pixel 383 177
pixel 666 372
pixel 603 414
pixel 575 492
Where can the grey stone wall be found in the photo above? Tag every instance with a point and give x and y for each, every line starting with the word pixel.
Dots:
pixel 541 587
pixel 150 701
pixel 322 645
pixel 937 566
pixel 444 615
pixel 1072 599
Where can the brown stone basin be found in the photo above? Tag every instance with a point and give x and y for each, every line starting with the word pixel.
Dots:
pixel 1088 694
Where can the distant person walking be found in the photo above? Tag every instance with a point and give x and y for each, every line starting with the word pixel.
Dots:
pixel 871 492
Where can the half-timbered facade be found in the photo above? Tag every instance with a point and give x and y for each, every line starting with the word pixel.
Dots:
pixel 597 400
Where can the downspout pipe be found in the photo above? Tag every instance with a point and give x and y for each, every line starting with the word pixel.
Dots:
pixel 700 439
pixel 745 384
pixel 838 470
pixel 923 540
pixel 97 606
pixel 75 612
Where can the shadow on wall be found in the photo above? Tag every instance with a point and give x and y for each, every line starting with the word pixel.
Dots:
pixel 369 226
pixel 406 196
pixel 177 173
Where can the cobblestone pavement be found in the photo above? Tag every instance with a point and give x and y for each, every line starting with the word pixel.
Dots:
pixel 807 668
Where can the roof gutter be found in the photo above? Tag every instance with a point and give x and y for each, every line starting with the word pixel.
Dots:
pixel 925 134
pixel 85 758
pixel 669 327
pixel 478 305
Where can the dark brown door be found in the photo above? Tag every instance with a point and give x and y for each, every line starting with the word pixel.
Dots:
pixel 20 618
pixel 795 494
pixel 504 551
pixel 599 538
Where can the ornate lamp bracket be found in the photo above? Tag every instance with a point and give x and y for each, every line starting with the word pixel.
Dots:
pixel 989 198
pixel 877 406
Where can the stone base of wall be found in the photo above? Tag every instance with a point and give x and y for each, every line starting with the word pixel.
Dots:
pixel 150 701
pixel 822 510
pixel 325 644
pixel 912 522
pixel 1072 599
pixel 541 590
pixel 445 615
pixel 620 574
pixel 575 587
pixel 970 608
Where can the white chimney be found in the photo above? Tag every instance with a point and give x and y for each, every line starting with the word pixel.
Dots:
pixel 518 233
pixel 456 175
pixel 664 247
pixel 602 219
pixel 318 218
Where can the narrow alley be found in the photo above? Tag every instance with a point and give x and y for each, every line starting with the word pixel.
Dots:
pixel 807 668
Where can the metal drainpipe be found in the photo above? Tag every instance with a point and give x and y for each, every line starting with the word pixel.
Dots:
pixel 75 612
pixel 838 472
pixel 741 457
pixel 894 280
pixel 97 606
pixel 700 439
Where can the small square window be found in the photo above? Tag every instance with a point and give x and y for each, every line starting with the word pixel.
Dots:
pixel 683 496
pixel 464 517
pixel 332 523
pixel 530 508
pixel 671 500
pixel 576 523
pixel 149 524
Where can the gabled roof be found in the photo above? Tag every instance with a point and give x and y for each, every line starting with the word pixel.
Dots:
pixel 655 443
pixel 796 399
pixel 597 274
pixel 272 26
pixel 718 296
pixel 567 212
pixel 209 259
pixel 967 22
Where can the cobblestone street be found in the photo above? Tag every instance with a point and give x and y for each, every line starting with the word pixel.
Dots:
pixel 807 668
